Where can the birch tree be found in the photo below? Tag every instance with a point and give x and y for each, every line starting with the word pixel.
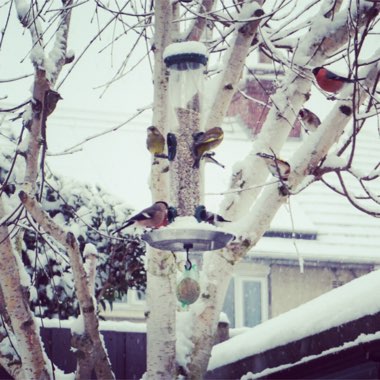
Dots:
pixel 296 37
pixel 337 31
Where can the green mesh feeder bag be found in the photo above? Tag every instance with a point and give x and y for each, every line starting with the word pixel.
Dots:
pixel 188 289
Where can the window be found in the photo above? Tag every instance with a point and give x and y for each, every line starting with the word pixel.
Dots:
pixel 131 307
pixel 246 302
pixel 132 298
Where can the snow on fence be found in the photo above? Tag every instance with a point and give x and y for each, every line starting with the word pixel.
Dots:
pixel 126 350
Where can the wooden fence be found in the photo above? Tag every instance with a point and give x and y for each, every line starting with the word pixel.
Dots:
pixel 126 350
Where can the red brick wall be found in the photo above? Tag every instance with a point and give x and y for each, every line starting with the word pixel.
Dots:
pixel 253 113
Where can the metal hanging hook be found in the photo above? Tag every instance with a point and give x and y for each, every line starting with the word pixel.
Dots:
pixel 187 247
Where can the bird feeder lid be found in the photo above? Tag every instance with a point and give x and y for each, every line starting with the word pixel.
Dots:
pixel 193 239
pixel 185 55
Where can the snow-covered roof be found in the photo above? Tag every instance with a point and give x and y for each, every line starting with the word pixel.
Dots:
pixel 320 314
pixel 344 234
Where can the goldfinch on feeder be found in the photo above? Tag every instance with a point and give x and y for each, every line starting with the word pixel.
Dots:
pixel 155 142
pixel 278 168
pixel 155 216
pixel 204 142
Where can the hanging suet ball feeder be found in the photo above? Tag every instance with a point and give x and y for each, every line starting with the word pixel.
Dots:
pixel 188 289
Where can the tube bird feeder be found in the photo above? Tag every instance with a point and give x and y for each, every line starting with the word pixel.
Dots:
pixel 186 63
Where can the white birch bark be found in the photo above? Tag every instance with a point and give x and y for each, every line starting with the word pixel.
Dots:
pixel 17 305
pixel 94 354
pixel 200 23
pixel 8 356
pixel 207 310
pixel 161 301
pixel 280 121
pixel 274 133
pixel 161 269
pixel 234 63
pixel 15 296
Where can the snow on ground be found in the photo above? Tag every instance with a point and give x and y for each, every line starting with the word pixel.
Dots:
pixel 120 326
pixel 329 310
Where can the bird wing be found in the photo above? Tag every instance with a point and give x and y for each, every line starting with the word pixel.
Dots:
pixel 333 76
pixel 143 215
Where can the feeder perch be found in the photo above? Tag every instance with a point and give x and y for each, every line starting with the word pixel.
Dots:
pixel 183 240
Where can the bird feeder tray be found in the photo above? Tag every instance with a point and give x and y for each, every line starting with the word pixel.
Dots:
pixel 180 240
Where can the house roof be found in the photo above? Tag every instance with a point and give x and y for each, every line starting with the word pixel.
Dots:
pixel 343 233
pixel 333 318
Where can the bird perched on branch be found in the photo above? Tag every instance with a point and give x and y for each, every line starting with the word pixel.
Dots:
pixel 278 168
pixel 155 216
pixel 329 81
pixel 202 215
pixel 51 99
pixel 309 119
pixel 155 142
pixel 205 141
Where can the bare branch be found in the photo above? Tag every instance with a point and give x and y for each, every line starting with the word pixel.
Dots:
pixel 229 79
pixel 200 23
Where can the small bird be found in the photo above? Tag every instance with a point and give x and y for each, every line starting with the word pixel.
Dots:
pixel 172 214
pixel 155 216
pixel 171 141
pixel 309 119
pixel 155 142
pixel 204 142
pixel 329 81
pixel 278 168
pixel 202 215
pixel 51 99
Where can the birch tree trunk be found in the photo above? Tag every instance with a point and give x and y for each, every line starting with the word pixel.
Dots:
pixel 16 300
pixel 273 135
pixel 161 268
pixel 92 353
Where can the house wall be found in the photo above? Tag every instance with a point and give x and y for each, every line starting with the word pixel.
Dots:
pixel 288 287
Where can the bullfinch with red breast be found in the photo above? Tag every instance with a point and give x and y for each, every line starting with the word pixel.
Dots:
pixel 329 81
pixel 155 216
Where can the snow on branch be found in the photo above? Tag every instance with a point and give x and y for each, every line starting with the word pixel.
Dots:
pixel 304 161
pixel 9 358
pixel 58 55
pixel 90 342
pixel 323 38
pixel 28 17
pixel 234 62
pixel 200 22
pixel 17 306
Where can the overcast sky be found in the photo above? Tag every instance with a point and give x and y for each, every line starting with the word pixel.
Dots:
pixel 117 161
